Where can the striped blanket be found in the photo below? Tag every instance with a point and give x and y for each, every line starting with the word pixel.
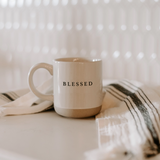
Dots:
pixel 128 124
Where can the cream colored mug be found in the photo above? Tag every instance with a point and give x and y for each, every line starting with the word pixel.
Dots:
pixel 77 86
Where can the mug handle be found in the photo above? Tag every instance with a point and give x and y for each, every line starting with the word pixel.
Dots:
pixel 46 66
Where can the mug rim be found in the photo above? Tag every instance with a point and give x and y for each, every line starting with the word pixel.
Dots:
pixel 77 59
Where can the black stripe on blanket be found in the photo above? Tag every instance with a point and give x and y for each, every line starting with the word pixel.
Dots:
pixel 125 99
pixel 146 100
pixel 143 110
pixel 4 98
pixel 13 95
pixel 7 96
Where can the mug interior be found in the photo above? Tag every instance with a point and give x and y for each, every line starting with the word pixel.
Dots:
pixel 76 59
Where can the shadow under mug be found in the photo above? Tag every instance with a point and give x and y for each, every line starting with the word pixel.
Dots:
pixel 77 86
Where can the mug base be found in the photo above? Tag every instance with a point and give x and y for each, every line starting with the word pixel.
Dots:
pixel 77 113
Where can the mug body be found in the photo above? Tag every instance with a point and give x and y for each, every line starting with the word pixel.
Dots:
pixel 77 87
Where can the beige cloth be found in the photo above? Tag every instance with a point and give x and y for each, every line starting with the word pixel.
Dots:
pixel 24 101
pixel 129 122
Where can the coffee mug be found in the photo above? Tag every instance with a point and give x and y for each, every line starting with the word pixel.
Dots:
pixel 77 86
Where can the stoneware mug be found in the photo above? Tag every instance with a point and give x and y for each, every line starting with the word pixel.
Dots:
pixel 77 86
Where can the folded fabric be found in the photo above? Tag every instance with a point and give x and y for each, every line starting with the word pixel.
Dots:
pixel 24 101
pixel 129 123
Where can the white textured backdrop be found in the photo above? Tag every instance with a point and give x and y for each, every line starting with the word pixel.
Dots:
pixel 124 33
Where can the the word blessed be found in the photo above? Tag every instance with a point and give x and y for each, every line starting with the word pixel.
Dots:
pixel 78 83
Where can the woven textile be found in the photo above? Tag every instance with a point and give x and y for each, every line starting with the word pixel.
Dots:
pixel 129 122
